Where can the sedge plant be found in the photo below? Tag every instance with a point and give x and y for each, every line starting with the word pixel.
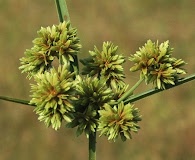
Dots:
pixel 98 100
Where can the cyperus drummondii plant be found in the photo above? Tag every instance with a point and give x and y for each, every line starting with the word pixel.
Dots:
pixel 98 100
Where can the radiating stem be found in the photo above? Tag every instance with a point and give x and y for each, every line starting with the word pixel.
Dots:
pixel 92 146
pixel 62 10
pixel 130 92
pixel 15 100
pixel 154 91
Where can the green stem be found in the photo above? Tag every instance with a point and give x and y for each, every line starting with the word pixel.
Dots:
pixel 15 100
pixel 130 92
pixel 62 10
pixel 154 91
pixel 92 146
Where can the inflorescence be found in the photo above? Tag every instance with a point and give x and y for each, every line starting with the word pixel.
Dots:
pixel 59 41
pixel 90 103
pixel 157 64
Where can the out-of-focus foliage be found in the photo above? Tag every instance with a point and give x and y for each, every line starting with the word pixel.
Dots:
pixel 167 129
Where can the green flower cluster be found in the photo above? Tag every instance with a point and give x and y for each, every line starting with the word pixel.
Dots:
pixel 94 110
pixel 157 64
pixel 82 102
pixel 92 94
pixel 53 94
pixel 118 120
pixel 58 41
pixel 98 92
pixel 106 64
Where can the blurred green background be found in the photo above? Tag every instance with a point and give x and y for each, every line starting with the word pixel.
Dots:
pixel 168 126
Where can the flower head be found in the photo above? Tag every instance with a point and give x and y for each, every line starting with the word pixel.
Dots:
pixel 157 64
pixel 93 91
pixel 58 41
pixel 36 61
pixel 118 120
pixel 86 120
pixel 53 95
pixel 92 94
pixel 106 63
